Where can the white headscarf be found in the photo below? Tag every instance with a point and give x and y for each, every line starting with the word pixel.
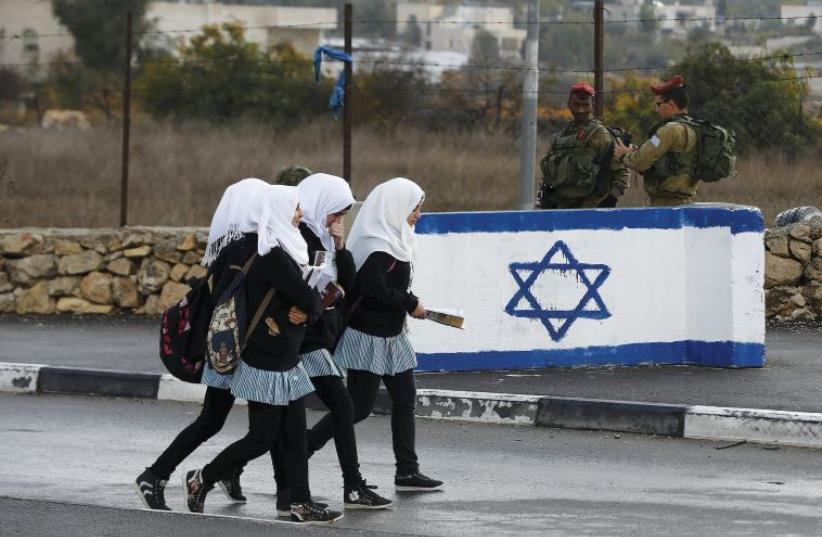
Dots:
pixel 322 194
pixel 254 206
pixel 382 223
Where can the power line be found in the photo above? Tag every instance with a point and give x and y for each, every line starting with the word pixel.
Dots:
pixel 464 22
pixel 408 63
pixel 467 90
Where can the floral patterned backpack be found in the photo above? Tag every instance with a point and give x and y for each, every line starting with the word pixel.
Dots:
pixel 229 328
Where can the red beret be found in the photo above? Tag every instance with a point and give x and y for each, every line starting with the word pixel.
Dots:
pixel 582 87
pixel 665 87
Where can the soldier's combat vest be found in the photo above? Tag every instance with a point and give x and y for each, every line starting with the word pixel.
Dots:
pixel 713 158
pixel 572 169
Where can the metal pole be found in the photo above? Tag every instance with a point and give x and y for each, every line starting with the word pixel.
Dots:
pixel 530 87
pixel 126 126
pixel 347 97
pixel 599 39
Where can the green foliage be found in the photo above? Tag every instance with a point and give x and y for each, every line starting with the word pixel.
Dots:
pixel 484 47
pixel 566 45
pixel 647 14
pixel 383 95
pixel 413 32
pixel 630 105
pixel 99 27
pixel 761 100
pixel 220 76
pixel 11 84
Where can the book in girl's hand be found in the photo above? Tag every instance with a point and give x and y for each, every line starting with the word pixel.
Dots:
pixel 453 318
pixel 331 294
pixel 319 278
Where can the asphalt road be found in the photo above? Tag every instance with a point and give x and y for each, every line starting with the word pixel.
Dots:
pixel 72 461
pixel 790 381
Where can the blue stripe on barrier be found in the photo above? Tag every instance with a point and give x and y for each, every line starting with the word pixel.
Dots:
pixel 706 353
pixel 738 219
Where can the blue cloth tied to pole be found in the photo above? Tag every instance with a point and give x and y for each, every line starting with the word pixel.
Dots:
pixel 337 95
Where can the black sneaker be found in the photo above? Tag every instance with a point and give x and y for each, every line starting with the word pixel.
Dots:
pixel 151 490
pixel 311 513
pixel 196 490
pixel 232 488
pixel 416 481
pixel 364 497
pixel 284 504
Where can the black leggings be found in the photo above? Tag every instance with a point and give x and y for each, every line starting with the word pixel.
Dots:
pixel 216 406
pixel 265 423
pixel 332 393
pixel 363 387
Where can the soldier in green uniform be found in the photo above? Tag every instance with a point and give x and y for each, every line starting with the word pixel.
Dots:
pixel 578 170
pixel 667 160
pixel 291 175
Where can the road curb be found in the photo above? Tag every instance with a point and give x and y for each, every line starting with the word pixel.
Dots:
pixel 682 421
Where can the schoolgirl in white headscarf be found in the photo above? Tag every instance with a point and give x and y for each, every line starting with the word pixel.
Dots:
pixel 254 206
pixel 322 195
pixel 382 223
pixel 375 347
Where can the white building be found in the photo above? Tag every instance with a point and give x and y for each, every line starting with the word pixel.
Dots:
pixel 30 34
pixel 303 27
pixel 678 19
pixel 813 9
pixel 452 28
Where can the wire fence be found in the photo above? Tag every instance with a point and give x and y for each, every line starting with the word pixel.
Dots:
pixel 201 121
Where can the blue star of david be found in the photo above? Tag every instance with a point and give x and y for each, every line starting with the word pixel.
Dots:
pixel 563 318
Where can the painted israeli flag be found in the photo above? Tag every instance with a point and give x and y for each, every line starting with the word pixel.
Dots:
pixel 592 287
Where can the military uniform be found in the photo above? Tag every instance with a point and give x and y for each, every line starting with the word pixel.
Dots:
pixel 292 175
pixel 667 161
pixel 573 174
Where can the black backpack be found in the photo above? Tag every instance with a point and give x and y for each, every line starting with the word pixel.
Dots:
pixel 715 150
pixel 183 332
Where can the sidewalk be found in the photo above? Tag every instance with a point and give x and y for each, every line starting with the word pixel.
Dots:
pixel 588 398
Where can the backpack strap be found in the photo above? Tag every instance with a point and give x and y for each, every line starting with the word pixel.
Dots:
pixel 245 268
pixel 259 314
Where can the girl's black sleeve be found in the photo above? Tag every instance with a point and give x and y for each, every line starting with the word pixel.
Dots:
pixel 279 270
pixel 346 270
pixel 373 283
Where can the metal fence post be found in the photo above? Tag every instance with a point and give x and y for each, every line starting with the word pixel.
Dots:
pixel 126 125
pixel 530 87
pixel 347 96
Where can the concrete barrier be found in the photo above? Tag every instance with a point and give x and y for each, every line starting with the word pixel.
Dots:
pixel 592 287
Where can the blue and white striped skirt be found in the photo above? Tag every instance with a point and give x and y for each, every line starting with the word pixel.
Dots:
pixel 319 363
pixel 270 387
pixel 379 355
pixel 214 379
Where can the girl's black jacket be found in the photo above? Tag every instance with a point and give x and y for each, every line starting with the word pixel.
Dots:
pixel 275 342
pixel 327 330
pixel 381 298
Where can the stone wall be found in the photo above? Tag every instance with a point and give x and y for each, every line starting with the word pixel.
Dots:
pixel 138 270
pixel 793 271
pixel 143 270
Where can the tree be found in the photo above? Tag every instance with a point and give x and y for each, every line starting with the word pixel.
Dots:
pixel 484 47
pixel 413 32
pixel 762 100
pixel 220 76
pixel 810 23
pixel 98 27
pixel 647 15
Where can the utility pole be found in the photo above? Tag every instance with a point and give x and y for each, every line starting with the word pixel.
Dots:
pixel 599 43
pixel 347 96
pixel 530 88
pixel 126 125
